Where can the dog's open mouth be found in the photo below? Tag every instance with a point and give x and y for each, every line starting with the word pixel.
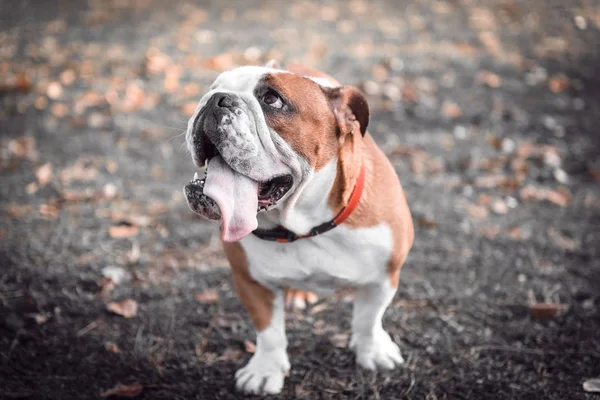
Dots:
pixel 234 199
pixel 269 193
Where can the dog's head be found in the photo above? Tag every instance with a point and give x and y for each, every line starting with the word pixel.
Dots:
pixel 263 132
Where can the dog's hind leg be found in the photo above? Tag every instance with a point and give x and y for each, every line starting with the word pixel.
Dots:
pixel 373 346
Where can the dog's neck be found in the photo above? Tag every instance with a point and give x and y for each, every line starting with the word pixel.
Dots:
pixel 323 194
pixel 311 206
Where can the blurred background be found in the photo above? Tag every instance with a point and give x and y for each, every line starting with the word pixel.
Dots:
pixel 489 111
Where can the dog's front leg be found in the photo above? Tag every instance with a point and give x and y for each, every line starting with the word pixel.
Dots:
pixel 266 370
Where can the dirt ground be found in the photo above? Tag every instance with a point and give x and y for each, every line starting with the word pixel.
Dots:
pixel 488 109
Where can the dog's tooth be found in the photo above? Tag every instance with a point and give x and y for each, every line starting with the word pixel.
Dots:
pixel 195 176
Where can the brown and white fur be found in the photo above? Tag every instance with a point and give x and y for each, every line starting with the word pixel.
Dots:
pixel 365 253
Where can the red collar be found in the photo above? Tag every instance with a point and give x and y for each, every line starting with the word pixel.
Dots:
pixel 284 236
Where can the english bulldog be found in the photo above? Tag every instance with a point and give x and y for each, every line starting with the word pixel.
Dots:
pixel 305 200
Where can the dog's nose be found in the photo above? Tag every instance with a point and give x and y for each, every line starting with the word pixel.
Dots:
pixel 226 100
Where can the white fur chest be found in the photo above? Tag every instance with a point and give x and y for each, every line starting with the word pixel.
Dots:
pixel 339 258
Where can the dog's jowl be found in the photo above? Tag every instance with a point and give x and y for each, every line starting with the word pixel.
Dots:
pixel 305 200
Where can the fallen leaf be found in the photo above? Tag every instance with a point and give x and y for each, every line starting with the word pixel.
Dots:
pixel 110 191
pixel 156 61
pixel 427 223
pixel 189 108
pixel 41 103
pixel 421 163
pixel 491 43
pixel 593 168
pixel 249 346
pixel 121 390
pixel 82 170
pixel 489 231
pixel 207 357
pixel 477 211
pixel 59 110
pixel 133 256
pixel 15 210
pixel 558 83
pixel 520 167
pixel 209 296
pixel 31 188
pixel 134 97
pixel 592 385
pixel 379 72
pixel 329 14
pixel 125 230
pixel 561 240
pixel 129 218
pixel 54 90
pixel 112 347
pixel 560 197
pixel 451 110
pixel 191 89
pixel 318 308
pixel 171 80
pixel 231 355
pixel 157 207
pixel 489 78
pixel 68 77
pixel 516 233
pixel 127 308
pixel 409 93
pixel 79 195
pixel 591 201
pixel 106 286
pixel 41 319
pixel 221 62
pixel 116 274
pixel 547 310
pixel 49 210
pixel 482 19
pixel 111 166
pixel 339 340
pixel 551 156
pixel 499 206
pixel 43 174
pixel 311 298
pixel 86 258
pixel 23 147
pixel 222 320
pixel 96 120
pixel 302 392
pixel 16 83
pixel 484 199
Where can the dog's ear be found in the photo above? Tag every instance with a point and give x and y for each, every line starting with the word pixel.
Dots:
pixel 350 108
pixel 272 63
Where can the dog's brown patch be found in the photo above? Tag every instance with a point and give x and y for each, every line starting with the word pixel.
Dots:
pixel 382 201
pixel 257 299
pixel 310 128
pixel 323 128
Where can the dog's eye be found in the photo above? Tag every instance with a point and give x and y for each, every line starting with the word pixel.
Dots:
pixel 272 99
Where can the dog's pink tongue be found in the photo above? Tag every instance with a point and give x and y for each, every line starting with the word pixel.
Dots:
pixel 237 198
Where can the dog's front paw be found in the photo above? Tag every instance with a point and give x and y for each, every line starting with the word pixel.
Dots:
pixel 264 373
pixel 376 350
